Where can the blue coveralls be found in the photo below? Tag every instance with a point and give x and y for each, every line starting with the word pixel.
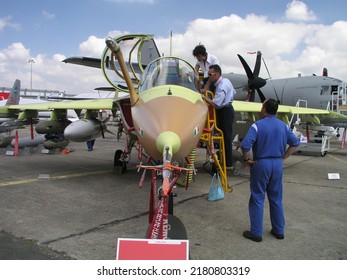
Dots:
pixel 268 139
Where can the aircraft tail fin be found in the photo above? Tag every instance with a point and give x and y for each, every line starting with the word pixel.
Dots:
pixel 325 72
pixel 13 98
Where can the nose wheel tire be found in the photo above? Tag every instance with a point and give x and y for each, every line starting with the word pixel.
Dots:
pixel 177 229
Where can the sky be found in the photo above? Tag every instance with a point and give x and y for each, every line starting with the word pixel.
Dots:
pixel 295 37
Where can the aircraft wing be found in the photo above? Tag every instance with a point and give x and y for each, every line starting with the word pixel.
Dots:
pixel 92 104
pixel 84 61
pixel 335 120
pixel 254 107
pixel 306 114
pixel 96 63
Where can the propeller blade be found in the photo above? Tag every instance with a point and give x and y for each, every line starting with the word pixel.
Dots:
pixel 106 119
pixel 246 67
pixel 261 95
pixel 257 65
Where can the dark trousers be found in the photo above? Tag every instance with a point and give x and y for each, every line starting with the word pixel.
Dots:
pixel 90 144
pixel 225 120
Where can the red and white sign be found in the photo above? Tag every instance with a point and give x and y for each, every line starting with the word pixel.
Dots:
pixel 152 249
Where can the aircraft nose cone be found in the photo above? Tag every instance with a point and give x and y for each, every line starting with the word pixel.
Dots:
pixel 168 138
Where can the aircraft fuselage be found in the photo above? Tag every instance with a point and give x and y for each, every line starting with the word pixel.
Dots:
pixel 318 91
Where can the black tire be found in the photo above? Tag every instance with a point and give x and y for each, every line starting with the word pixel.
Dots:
pixel 177 229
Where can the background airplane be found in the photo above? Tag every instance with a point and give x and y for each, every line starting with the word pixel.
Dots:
pixel 4 95
pixel 13 99
pixel 8 116
pixel 12 119
pixel 321 92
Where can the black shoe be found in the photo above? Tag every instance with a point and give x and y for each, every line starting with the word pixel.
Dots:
pixel 247 234
pixel 278 236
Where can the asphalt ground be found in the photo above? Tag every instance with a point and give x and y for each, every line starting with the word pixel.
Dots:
pixel 73 206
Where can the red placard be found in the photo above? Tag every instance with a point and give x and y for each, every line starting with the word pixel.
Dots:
pixel 152 249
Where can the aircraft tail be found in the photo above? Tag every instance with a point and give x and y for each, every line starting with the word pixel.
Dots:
pixel 325 72
pixel 13 98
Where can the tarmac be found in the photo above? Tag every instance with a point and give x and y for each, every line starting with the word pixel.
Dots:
pixel 74 206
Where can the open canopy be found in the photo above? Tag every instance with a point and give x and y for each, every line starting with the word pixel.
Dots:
pixel 169 71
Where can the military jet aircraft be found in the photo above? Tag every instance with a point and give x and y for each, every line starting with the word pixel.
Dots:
pixel 164 115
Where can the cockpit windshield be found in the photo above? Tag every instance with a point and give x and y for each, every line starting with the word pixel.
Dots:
pixel 170 71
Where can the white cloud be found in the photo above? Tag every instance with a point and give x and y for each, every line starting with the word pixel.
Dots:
pixel 288 48
pixel 3 22
pixel 48 72
pixel 92 47
pixel 299 11
pixel 48 15
pixel 16 51
pixel 6 22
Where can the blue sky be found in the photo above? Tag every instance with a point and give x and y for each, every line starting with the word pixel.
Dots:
pixel 294 36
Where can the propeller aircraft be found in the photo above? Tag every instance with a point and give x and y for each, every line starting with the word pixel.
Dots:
pixel 164 115
pixel 320 92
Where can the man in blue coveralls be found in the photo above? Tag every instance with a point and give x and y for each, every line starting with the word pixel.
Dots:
pixel 268 139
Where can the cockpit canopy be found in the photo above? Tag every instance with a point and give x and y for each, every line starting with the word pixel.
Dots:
pixel 169 71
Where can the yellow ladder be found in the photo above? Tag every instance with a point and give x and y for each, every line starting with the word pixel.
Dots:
pixel 212 134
